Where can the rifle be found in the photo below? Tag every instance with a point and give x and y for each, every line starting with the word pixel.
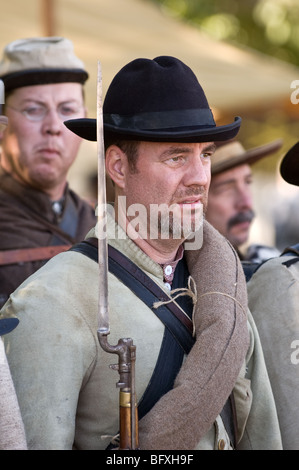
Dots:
pixel 125 349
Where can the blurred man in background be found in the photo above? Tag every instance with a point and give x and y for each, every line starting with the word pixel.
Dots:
pixel 12 433
pixel 40 214
pixel 230 206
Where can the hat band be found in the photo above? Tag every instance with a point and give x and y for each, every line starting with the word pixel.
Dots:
pixel 45 76
pixel 162 119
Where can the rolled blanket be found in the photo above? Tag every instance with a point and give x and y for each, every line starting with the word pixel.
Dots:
pixel 184 415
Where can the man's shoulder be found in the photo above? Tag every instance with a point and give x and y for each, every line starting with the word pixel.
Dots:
pixel 278 268
pixel 289 257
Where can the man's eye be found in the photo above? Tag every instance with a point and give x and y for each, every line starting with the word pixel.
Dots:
pixel 68 110
pixel 34 111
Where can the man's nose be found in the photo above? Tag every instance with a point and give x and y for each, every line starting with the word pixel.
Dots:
pixel 244 198
pixel 52 123
pixel 198 172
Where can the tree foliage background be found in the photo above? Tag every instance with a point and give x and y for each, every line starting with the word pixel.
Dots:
pixel 268 26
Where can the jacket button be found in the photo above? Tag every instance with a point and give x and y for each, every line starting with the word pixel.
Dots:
pixel 221 444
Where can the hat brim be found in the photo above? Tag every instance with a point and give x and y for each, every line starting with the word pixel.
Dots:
pixel 248 157
pixel 87 129
pixel 43 76
pixel 289 167
pixel 7 325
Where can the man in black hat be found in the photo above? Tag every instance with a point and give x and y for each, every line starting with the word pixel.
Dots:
pixel 175 286
pixel 40 214
pixel 273 294
pixel 230 209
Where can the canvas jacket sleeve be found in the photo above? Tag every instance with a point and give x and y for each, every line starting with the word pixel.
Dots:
pixel 258 424
pixel 273 293
pixel 51 354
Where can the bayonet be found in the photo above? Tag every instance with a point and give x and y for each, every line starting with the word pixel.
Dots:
pixel 125 349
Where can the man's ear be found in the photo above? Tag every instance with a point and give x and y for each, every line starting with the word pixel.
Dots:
pixel 116 164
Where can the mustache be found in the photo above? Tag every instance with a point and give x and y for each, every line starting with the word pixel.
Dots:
pixel 193 191
pixel 246 216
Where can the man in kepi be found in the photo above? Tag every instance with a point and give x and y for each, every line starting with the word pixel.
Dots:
pixel 230 209
pixel 12 433
pixel 40 214
pixel 175 302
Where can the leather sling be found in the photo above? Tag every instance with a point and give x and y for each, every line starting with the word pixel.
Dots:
pixel 177 340
pixel 30 254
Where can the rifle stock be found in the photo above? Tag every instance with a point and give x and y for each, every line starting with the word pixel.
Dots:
pixel 128 413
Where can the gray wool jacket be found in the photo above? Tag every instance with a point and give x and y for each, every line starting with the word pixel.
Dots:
pixel 71 401
pixel 273 294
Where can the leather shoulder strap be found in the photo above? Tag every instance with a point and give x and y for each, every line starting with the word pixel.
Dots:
pixel 141 277
pixel 146 289
pixel 30 254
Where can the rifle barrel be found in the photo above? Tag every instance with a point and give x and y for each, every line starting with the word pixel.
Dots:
pixel 125 349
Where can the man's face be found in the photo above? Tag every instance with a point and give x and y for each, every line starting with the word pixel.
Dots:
pixel 230 204
pixel 173 175
pixel 36 146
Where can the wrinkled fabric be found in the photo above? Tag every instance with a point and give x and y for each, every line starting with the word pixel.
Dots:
pixel 258 430
pixel 211 369
pixel 273 293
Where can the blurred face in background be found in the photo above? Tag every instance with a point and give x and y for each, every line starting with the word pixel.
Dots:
pixel 230 204
pixel 37 148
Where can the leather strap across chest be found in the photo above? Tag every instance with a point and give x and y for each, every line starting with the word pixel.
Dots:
pixel 65 230
pixel 23 255
pixel 177 340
